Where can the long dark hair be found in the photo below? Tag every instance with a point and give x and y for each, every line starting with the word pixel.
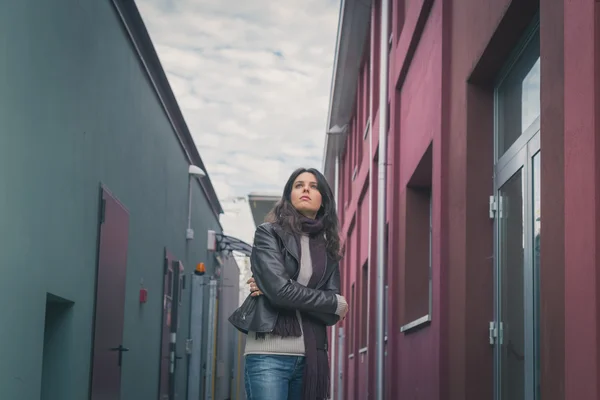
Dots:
pixel 285 215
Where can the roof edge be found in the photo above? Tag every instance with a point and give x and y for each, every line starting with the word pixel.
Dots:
pixel 352 33
pixel 258 196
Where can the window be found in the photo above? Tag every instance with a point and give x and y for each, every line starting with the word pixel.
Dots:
pixel 387 122
pixel 354 143
pixel 341 200
pixel 351 344
pixel 418 246
pixel 516 279
pixel 518 97
pixel 364 306
pixel 390 23
pixel 386 294
pixel 366 128
pixel 376 56
pixel 347 177
pixel 400 12
pixel 366 86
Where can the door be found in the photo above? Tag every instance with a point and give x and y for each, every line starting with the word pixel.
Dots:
pixel 108 347
pixel 197 330
pixel 174 357
pixel 518 219
pixel 516 212
pixel 165 353
pixel 173 284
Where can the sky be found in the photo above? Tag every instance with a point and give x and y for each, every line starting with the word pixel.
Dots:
pixel 252 79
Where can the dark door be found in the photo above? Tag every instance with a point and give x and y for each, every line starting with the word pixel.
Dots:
pixel 108 346
pixel 173 286
pixel 165 352
pixel 178 279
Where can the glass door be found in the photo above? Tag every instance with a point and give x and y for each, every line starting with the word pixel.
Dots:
pixel 517 225
pixel 517 217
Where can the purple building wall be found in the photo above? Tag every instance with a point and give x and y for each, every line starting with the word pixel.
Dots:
pixel 445 58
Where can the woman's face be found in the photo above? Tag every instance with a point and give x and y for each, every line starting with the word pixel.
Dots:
pixel 305 196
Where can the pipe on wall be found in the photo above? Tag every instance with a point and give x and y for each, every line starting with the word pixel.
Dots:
pixel 371 180
pixel 381 198
pixel 333 368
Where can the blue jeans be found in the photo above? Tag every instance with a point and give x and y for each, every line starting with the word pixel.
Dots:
pixel 273 377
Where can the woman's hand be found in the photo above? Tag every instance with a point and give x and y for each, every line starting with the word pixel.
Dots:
pixel 342 308
pixel 254 290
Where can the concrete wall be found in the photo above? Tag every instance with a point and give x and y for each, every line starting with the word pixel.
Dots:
pixel 445 56
pixel 76 109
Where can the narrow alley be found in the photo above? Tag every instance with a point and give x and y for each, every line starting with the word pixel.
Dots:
pixel 122 264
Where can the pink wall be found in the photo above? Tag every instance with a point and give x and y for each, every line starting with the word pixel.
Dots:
pixel 444 58
pixel 582 199
pixel 414 359
pixel 419 123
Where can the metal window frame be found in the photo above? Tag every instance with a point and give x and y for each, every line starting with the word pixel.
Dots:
pixel 518 158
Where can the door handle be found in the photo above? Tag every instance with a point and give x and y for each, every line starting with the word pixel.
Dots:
pixel 176 359
pixel 120 349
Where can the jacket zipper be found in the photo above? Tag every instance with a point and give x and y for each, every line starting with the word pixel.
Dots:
pixel 273 328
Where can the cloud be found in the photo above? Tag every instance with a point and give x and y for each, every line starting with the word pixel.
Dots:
pixel 252 79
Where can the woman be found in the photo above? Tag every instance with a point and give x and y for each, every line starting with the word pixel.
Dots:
pixel 295 294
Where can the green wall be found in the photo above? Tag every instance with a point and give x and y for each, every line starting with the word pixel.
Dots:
pixel 76 109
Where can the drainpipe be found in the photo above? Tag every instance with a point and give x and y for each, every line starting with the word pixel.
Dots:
pixel 332 352
pixel 381 197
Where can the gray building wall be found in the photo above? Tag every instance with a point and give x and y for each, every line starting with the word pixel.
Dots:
pixel 228 350
pixel 77 109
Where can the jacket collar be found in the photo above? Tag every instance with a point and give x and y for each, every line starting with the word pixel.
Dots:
pixel 291 245
pixel 289 241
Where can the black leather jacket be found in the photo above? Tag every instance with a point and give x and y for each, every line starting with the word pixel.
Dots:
pixel 275 266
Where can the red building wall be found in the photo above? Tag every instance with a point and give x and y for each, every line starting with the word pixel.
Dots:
pixel 444 58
